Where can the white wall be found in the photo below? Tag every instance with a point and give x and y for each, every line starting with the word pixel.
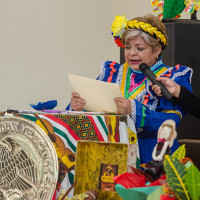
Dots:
pixel 41 41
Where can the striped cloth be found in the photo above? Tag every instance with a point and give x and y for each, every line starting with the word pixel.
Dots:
pixel 65 130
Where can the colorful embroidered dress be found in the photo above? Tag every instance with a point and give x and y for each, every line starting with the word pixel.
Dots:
pixel 148 110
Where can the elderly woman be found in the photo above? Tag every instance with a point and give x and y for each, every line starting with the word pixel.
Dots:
pixel 143 39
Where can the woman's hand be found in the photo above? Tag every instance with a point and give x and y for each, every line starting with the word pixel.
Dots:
pixel 77 103
pixel 172 86
pixel 123 105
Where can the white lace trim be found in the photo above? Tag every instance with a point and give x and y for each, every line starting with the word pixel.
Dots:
pixel 184 72
pixel 119 76
pixel 102 75
pixel 152 97
pixel 133 110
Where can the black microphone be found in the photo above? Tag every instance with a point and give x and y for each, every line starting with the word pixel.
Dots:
pixel 145 69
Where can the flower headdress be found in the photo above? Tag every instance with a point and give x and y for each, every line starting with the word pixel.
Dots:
pixel 120 24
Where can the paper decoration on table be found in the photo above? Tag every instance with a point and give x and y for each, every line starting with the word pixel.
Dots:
pixel 98 95
pixel 158 4
pixel 173 8
pixel 132 186
pixel 96 166
pixel 191 6
pixel 48 105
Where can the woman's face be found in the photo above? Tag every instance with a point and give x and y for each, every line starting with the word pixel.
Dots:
pixel 137 51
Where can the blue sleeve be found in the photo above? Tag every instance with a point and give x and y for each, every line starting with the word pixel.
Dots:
pixel 152 119
pixel 109 71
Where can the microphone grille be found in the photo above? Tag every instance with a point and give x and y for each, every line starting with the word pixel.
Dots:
pixel 143 67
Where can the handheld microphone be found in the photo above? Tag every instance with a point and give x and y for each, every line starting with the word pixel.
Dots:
pixel 145 69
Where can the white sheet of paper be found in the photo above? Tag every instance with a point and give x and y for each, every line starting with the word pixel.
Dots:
pixel 98 95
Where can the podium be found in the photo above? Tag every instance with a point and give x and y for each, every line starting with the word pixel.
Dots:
pixel 67 128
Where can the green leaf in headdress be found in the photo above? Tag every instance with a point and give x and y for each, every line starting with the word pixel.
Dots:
pixel 192 179
pixel 175 172
pixel 172 8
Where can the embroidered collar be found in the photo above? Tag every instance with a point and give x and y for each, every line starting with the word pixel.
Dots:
pixel 153 67
pixel 140 80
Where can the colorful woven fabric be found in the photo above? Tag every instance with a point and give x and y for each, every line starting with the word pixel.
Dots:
pixel 66 130
pixel 83 126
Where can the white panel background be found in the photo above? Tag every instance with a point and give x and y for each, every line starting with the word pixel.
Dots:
pixel 41 41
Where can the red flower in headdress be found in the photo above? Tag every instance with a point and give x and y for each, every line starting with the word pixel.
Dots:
pixel 118 42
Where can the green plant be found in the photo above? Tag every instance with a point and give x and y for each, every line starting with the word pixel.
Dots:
pixel 183 179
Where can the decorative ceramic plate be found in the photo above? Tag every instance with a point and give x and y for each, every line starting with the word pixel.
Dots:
pixel 28 161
